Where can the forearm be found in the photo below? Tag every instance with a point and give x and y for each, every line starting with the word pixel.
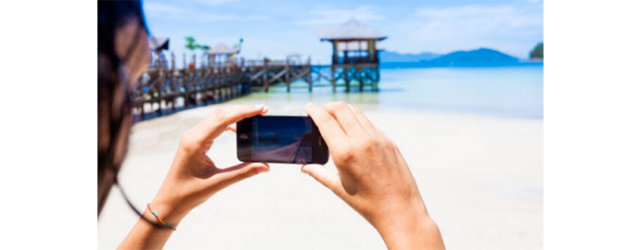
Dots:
pixel 411 228
pixel 147 236
pixel 421 234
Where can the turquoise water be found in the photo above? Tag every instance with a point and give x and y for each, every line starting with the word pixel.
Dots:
pixel 498 91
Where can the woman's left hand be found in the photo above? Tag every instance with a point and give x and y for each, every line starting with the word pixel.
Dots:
pixel 193 177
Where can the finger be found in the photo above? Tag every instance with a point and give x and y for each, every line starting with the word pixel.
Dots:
pixel 329 128
pixel 223 178
pixel 346 118
pixel 326 177
pixel 364 121
pixel 232 128
pixel 217 122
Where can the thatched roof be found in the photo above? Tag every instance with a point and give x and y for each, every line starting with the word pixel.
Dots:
pixel 222 49
pixel 351 30
pixel 159 43
pixel 294 54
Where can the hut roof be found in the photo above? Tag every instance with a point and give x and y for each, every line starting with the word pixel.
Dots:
pixel 222 49
pixel 294 54
pixel 159 43
pixel 351 30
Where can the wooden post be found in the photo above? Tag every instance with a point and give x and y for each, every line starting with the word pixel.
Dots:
pixel 333 77
pixel 158 63
pixel 287 81
pixel 184 60
pixel 265 80
pixel 375 77
pixel 346 77
pixel 345 59
pixel 334 59
pixel 371 49
pixel 360 73
pixel 309 80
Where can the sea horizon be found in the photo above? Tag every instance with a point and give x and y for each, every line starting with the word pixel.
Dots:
pixel 504 91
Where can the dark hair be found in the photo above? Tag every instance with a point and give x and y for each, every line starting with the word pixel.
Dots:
pixel 114 108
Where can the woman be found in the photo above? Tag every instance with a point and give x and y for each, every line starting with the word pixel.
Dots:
pixel 372 177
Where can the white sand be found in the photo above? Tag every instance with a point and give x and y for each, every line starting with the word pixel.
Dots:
pixel 481 179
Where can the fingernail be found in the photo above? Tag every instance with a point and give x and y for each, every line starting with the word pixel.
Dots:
pixel 303 170
pixel 260 106
pixel 262 170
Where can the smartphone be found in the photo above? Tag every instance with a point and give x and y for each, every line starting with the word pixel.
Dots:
pixel 280 139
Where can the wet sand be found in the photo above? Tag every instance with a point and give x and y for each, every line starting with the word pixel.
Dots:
pixel 480 176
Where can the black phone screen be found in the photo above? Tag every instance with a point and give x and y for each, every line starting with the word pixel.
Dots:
pixel 280 139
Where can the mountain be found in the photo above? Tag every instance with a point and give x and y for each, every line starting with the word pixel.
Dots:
pixel 478 57
pixel 481 57
pixel 390 56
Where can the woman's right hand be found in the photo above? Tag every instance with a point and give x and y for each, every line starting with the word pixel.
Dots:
pixel 372 177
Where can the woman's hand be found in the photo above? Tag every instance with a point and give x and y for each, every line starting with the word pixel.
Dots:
pixel 372 177
pixel 193 177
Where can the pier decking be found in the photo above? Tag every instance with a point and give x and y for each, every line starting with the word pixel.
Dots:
pixel 165 89
pixel 162 90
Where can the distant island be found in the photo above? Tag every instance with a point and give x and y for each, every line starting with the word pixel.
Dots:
pixel 482 57
pixel 538 52
pixel 478 57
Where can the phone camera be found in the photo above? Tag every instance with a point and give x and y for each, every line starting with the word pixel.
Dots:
pixel 244 137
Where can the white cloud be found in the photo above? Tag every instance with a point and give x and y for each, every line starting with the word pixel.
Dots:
pixel 505 28
pixel 329 16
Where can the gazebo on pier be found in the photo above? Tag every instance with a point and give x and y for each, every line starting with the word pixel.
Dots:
pixel 355 54
pixel 221 53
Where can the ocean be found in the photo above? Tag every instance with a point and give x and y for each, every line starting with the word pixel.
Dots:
pixel 509 91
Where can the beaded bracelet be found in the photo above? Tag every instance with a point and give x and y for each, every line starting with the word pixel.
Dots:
pixel 158 218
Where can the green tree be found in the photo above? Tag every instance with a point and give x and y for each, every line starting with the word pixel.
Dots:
pixel 537 52
pixel 191 43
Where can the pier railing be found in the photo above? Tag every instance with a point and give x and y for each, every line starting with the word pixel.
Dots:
pixel 165 89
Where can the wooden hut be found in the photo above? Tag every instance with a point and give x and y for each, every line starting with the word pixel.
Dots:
pixel 157 45
pixel 220 54
pixel 355 54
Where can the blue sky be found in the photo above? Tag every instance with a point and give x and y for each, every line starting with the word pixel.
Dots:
pixel 277 28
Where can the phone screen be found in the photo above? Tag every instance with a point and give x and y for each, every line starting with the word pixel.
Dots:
pixel 280 139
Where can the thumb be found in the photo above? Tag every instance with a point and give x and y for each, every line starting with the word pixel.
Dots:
pixel 223 178
pixel 325 176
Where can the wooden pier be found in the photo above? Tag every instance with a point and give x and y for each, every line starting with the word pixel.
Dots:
pixel 165 89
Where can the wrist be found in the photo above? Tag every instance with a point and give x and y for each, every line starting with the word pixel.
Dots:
pixel 409 227
pixel 167 210
pixel 421 233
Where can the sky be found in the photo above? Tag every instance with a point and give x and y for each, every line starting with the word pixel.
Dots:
pixel 276 28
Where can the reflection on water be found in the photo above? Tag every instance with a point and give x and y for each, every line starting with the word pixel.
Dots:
pixel 500 91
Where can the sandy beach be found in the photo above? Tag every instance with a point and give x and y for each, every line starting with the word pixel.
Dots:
pixel 480 177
